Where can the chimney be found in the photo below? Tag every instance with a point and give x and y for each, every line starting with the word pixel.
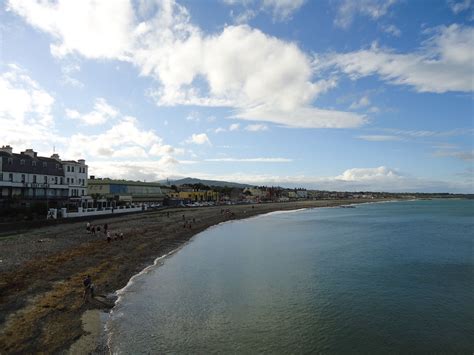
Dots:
pixel 55 156
pixel 30 153
pixel 6 148
pixel 81 161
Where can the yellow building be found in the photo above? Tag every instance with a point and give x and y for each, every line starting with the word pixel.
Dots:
pixel 195 196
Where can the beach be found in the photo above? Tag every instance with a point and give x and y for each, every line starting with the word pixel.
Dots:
pixel 41 271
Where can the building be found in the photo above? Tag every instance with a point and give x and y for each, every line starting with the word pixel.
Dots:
pixel 27 177
pixel 125 190
pixel 198 196
pixel 75 173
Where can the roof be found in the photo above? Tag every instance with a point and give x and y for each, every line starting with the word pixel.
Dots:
pixel 121 182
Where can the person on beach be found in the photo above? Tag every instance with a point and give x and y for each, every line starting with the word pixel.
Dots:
pixel 88 227
pixel 109 239
pixel 105 228
pixel 183 217
pixel 121 236
pixel 88 288
pixel 93 230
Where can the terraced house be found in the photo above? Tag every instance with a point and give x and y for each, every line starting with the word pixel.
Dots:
pixel 27 177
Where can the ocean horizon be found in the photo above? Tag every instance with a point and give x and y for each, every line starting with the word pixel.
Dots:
pixel 382 277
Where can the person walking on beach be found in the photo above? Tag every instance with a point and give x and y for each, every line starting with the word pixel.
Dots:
pixel 109 239
pixel 93 230
pixel 88 288
pixel 88 227
pixel 105 228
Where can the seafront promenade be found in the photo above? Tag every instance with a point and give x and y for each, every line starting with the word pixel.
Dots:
pixel 41 270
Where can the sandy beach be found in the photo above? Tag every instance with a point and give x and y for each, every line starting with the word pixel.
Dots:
pixel 41 271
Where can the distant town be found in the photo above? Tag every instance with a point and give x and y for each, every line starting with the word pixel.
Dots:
pixel 36 187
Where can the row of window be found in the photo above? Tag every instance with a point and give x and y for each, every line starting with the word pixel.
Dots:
pixel 70 169
pixel 45 165
pixel 54 179
pixel 75 192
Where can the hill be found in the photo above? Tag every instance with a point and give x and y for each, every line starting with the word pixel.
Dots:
pixel 191 181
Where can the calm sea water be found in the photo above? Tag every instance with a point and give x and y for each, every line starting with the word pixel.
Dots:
pixel 391 277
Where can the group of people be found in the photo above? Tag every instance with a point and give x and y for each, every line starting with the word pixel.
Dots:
pixel 93 229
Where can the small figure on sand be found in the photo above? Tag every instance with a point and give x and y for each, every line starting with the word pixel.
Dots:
pixel 88 227
pixel 93 230
pixel 121 236
pixel 88 288
pixel 168 214
pixel 109 239
pixel 183 217
pixel 105 228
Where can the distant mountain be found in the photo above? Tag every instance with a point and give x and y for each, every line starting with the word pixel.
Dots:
pixel 191 181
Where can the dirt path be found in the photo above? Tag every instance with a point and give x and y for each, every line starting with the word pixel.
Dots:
pixel 41 270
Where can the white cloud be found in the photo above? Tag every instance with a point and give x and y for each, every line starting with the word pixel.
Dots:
pixel 251 160
pixel 220 129
pixel 95 29
pixel 363 102
pixel 304 117
pixel 193 116
pixel 25 111
pixel 463 155
pixel 234 127
pixel 144 170
pixel 443 64
pixel 460 6
pixel 393 30
pixel 101 113
pixel 200 138
pixel 163 150
pixel 363 174
pixel 348 9
pixel 256 127
pixel 281 10
pixel 379 138
pixel 122 140
pixel 262 77
pixel 67 78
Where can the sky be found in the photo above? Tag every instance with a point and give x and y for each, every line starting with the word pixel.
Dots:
pixel 369 95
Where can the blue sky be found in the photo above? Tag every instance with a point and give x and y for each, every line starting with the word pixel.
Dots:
pixel 345 95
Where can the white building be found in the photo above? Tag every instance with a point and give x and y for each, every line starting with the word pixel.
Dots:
pixel 27 176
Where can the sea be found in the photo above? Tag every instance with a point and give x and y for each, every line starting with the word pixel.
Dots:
pixel 393 277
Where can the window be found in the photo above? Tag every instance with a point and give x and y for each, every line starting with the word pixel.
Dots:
pixel 23 177
pixel 72 168
pixel 83 182
pixel 82 192
pixel 45 165
pixel 22 162
pixel 33 163
pixel 45 178
pixel 10 177
pixel 72 181
pixel 10 161
pixel 34 179
pixel 57 166
pixel 1 176
pixel 68 168
pixel 56 180
pixel 62 181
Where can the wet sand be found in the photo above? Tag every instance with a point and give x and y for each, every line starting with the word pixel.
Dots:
pixel 41 271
